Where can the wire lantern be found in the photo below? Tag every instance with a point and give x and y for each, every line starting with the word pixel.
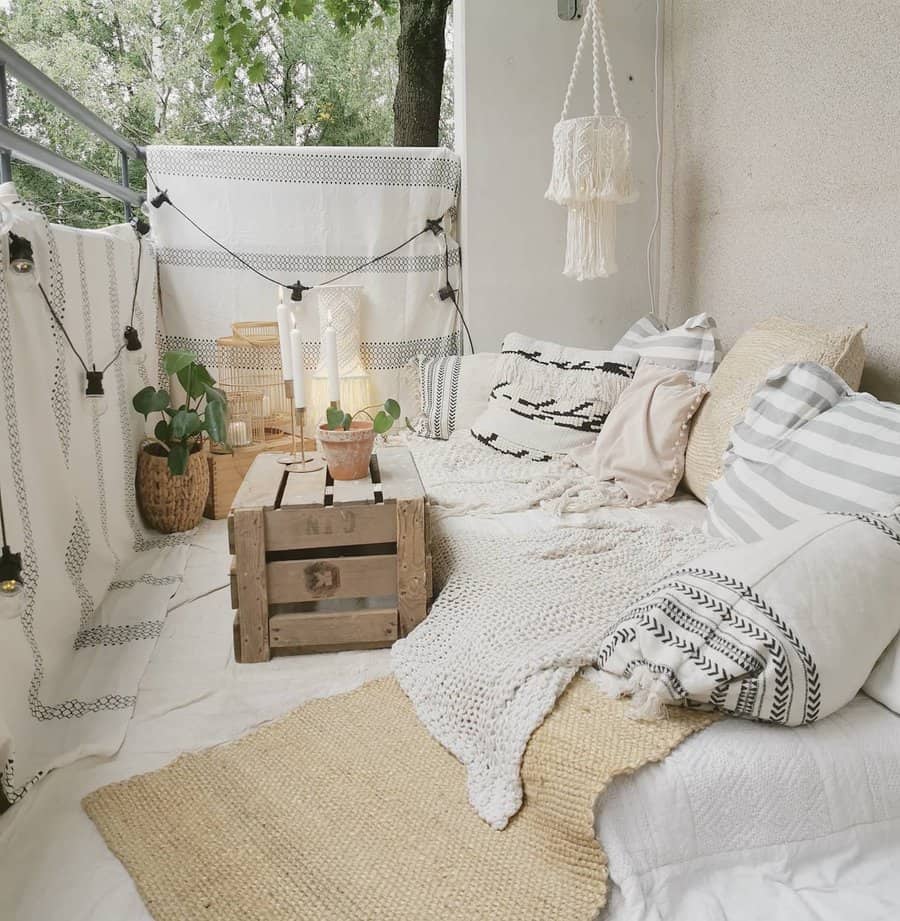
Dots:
pixel 249 364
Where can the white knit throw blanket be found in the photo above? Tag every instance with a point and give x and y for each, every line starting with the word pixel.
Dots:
pixel 515 620
pixel 464 477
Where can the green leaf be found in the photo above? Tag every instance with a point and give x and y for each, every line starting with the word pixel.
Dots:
pixel 256 72
pixel 186 423
pixel 382 422
pixel 195 379
pixel 178 459
pixel 176 360
pixel 214 394
pixel 162 431
pixel 216 422
pixel 335 417
pixel 150 400
pixel 392 408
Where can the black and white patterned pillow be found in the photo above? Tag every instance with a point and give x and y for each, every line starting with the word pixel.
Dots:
pixel 548 399
pixel 453 391
pixel 786 630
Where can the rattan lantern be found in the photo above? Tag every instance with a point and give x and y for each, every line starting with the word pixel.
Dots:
pixel 249 363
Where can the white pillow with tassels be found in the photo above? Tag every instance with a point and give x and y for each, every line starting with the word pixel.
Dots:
pixel 548 398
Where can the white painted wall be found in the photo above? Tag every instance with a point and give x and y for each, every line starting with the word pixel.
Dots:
pixel 782 154
pixel 513 59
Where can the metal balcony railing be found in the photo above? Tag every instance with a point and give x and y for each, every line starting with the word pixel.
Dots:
pixel 13 144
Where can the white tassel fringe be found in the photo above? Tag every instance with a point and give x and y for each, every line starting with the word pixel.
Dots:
pixel 591 241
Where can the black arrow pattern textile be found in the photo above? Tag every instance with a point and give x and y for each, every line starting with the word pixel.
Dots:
pixel 786 630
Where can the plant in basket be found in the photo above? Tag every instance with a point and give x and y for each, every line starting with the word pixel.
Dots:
pixel 172 473
pixel 348 441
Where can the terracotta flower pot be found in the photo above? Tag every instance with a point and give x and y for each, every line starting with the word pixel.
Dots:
pixel 171 503
pixel 347 452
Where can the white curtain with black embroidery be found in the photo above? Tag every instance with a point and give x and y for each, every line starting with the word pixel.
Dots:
pixel 310 214
pixel 97 585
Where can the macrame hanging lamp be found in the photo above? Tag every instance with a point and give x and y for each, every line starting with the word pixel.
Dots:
pixel 592 164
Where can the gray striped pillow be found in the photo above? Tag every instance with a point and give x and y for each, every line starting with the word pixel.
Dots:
pixel 691 347
pixel 806 444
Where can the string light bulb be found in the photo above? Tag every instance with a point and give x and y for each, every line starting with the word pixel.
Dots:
pixel 134 350
pixel 12 597
pixel 21 255
pixel 96 398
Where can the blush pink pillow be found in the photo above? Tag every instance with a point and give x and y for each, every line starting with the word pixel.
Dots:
pixel 642 444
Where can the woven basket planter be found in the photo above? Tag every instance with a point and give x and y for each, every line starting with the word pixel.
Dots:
pixel 171 503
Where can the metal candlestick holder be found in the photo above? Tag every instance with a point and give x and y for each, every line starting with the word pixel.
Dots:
pixel 298 463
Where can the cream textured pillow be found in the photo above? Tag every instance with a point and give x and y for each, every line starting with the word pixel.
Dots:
pixel 641 446
pixel 766 346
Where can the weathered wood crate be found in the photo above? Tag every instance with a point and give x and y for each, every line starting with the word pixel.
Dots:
pixel 320 566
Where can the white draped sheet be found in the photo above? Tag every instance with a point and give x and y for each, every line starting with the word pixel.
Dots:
pixel 96 583
pixel 310 214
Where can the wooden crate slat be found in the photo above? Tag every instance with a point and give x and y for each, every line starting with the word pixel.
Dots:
pixel 412 578
pixel 378 627
pixel 253 602
pixel 288 529
pixel 399 476
pixel 305 489
pixel 333 577
pixel 261 483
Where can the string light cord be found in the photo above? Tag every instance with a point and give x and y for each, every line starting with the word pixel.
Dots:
pixel 449 293
pixel 65 332
pixel 2 522
pixel 162 198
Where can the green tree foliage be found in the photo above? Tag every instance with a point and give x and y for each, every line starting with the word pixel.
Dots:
pixel 144 67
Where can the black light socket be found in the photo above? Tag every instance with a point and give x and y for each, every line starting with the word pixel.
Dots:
pixel 10 566
pixel 435 226
pixel 160 199
pixel 445 293
pixel 21 254
pixel 297 290
pixel 132 341
pixel 94 384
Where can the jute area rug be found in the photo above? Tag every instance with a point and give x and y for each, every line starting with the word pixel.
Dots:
pixel 347 810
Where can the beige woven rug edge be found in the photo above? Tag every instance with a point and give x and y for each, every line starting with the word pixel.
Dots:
pixel 346 809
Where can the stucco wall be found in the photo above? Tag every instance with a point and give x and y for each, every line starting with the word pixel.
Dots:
pixel 782 156
pixel 513 61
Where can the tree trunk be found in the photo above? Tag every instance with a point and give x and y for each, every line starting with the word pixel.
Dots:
pixel 421 52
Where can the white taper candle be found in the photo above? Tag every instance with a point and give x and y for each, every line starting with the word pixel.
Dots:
pixel 331 363
pixel 297 368
pixel 285 324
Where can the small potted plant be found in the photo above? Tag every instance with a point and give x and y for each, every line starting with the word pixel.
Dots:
pixel 347 441
pixel 172 473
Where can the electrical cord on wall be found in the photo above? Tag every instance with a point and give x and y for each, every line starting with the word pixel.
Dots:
pixel 657 117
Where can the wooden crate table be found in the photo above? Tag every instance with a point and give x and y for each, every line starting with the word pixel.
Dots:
pixel 320 566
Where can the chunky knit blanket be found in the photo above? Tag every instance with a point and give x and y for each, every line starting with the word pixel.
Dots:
pixel 514 622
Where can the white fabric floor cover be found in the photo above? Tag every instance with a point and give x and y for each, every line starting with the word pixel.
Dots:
pixel 309 214
pixel 742 821
pixel 96 583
